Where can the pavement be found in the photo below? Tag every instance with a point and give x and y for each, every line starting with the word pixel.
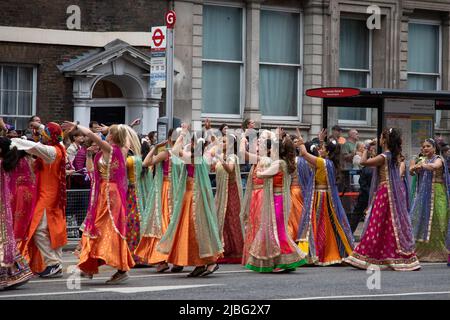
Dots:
pixel 233 282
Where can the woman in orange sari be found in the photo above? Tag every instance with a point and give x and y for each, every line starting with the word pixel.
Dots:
pixel 158 207
pixel 104 239
pixel 192 237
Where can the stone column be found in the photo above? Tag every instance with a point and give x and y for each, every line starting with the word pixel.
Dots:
pixel 251 109
pixel 316 65
pixel 404 20
pixel 82 111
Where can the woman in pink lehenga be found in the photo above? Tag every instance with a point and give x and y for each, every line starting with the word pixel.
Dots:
pixel 387 240
pixel 23 190
pixel 14 270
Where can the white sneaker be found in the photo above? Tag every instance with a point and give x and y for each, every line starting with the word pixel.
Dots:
pixel 52 272
pixel 118 278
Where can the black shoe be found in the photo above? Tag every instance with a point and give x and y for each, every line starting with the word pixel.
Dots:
pixel 208 272
pixel 52 272
pixel 197 271
pixel 176 269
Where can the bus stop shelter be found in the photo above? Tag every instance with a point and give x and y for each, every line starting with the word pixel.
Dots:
pixel 413 112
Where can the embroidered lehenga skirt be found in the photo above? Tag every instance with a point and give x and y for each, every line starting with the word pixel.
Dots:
pixel 378 246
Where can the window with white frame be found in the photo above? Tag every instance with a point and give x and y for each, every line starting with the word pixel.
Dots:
pixel 222 68
pixel 355 56
pixel 424 67
pixel 280 71
pixel 424 57
pixel 17 94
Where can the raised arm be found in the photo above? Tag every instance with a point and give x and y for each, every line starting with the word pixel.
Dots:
pixel 271 171
pixel 372 162
pixel 104 146
pixel 150 159
pixel 46 153
pixel 312 160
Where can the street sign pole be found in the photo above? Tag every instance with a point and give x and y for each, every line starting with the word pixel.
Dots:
pixel 169 77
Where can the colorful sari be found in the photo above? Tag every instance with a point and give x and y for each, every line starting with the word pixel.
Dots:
pixel 299 182
pixel 192 237
pixel 137 184
pixel 157 215
pixel 24 193
pixel 265 213
pixel 430 214
pixel 387 240
pixel 14 269
pixel 324 230
pixel 104 239
pixel 228 203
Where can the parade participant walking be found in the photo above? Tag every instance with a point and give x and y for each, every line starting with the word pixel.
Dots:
pixel 265 211
pixel 228 200
pixel 192 237
pixel 430 210
pixel 14 270
pixel 387 240
pixel 47 233
pixel 104 239
pixel 136 194
pixel 158 204
pixel 324 231
pixel 300 174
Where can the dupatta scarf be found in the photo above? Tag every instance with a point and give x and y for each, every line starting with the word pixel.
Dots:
pixel 304 233
pixel 423 206
pixel 7 240
pixel 24 178
pixel 116 173
pixel 151 222
pixel 142 187
pixel 204 210
pixel 304 174
pixel 266 244
pixel 401 222
pixel 222 179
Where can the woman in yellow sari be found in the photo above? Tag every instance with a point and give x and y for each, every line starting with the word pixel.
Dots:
pixel 324 230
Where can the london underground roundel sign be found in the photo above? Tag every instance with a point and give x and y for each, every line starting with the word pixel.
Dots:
pixel 332 92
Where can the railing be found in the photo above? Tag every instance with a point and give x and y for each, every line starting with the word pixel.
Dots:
pixel 78 201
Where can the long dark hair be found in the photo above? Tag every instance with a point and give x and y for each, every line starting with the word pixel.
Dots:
pixel 10 156
pixel 287 153
pixel 334 150
pixel 393 140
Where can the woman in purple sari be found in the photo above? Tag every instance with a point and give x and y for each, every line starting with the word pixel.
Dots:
pixel 387 240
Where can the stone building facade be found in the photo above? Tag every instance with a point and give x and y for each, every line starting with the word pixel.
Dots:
pixel 234 59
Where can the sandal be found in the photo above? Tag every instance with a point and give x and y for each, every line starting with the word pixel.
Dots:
pixel 176 269
pixel 208 272
pixel 162 267
pixel 197 271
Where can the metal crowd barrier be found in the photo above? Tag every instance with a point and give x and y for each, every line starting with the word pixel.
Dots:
pixel 78 201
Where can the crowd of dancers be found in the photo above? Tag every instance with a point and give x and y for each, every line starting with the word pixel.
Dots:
pixel 159 209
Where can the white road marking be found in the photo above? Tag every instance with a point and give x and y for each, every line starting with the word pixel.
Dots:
pixel 373 295
pixel 150 289
pixel 131 277
pixel 124 290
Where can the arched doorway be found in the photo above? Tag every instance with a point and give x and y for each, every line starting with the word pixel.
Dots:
pixel 108 115
pixel 111 85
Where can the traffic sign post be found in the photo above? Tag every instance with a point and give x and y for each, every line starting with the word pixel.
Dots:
pixel 170 19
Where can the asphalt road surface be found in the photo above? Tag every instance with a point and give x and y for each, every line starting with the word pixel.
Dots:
pixel 233 282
